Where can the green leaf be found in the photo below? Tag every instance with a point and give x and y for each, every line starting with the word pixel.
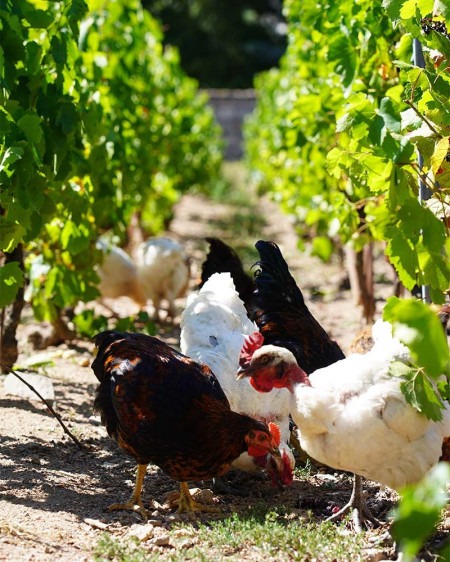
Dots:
pixel 444 389
pixel 421 394
pixel 403 256
pixel 440 152
pixel 34 53
pixel 30 124
pixel 393 8
pixel 419 510
pixel 59 49
pixel 390 115
pixel 11 155
pixel 419 328
pixel 11 279
pixel 74 238
pixel 399 369
pixel 342 52
pixel 322 247
pixel 11 234
pixel 39 19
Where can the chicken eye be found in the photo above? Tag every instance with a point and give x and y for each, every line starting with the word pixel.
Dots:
pixel 262 437
pixel 264 359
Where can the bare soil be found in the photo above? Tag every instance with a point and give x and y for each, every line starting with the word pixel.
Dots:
pixel 54 497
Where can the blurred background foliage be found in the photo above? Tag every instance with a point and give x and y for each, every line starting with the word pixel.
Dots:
pixel 223 44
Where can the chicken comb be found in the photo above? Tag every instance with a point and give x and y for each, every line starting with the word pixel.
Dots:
pixel 275 432
pixel 251 344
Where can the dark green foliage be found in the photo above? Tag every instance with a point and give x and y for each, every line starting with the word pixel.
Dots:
pixel 222 44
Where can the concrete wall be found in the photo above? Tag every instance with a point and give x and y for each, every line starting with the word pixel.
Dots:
pixel 230 107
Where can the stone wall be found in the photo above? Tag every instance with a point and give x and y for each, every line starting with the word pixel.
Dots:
pixel 230 107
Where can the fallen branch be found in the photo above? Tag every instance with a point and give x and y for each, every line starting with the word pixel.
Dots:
pixel 57 416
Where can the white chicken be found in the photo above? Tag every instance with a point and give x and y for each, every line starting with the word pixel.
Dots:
pixel 118 274
pixel 213 329
pixel 163 272
pixel 352 415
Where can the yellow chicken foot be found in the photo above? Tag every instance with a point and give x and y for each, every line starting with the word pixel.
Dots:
pixel 135 502
pixel 186 503
pixel 357 505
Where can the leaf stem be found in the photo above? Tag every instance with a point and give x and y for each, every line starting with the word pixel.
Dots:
pixel 424 119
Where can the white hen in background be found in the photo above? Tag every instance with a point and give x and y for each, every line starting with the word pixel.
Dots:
pixel 118 274
pixel 163 272
pixel 213 329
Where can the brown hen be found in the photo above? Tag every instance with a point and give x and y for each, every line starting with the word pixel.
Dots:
pixel 167 409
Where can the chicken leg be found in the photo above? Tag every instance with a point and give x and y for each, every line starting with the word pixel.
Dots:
pixel 186 503
pixel 135 502
pixel 358 506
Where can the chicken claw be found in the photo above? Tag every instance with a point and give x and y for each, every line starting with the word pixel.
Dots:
pixel 186 503
pixel 357 505
pixel 135 502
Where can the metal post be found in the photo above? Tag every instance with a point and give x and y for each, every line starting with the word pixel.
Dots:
pixel 424 192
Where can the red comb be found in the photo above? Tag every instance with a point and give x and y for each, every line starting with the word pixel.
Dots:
pixel 275 432
pixel 251 344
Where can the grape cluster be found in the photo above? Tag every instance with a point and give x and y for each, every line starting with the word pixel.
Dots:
pixel 429 25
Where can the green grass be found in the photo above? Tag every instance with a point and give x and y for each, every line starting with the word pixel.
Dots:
pixel 254 535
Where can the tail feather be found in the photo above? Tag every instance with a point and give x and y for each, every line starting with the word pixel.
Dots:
pixel 223 259
pixel 283 317
pixel 274 275
pixel 103 402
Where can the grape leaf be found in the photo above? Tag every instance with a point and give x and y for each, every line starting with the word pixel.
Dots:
pixel 419 328
pixel 420 509
pixel 341 52
pixel 11 279
pixel 440 152
pixel 11 234
pixel 421 394
pixel 30 124
pixel 390 115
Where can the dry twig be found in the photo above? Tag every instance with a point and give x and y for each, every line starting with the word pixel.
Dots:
pixel 57 416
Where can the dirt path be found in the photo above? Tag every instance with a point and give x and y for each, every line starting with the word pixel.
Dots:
pixel 53 497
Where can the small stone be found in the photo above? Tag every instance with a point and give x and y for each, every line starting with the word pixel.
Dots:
pixel 155 522
pixel 373 555
pixel 95 524
pixel 155 513
pixel 142 532
pixel 205 497
pixel 43 385
pixel 326 477
pixel 68 354
pixel 95 420
pixel 163 540
pixel 185 544
pixel 172 518
pixel 84 362
pixel 183 533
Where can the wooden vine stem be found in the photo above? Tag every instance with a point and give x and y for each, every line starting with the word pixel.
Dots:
pixel 57 416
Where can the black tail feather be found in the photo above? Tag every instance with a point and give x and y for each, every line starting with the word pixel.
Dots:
pixel 283 317
pixel 274 274
pixel 223 259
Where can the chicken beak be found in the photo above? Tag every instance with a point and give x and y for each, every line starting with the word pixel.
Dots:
pixel 275 452
pixel 241 373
